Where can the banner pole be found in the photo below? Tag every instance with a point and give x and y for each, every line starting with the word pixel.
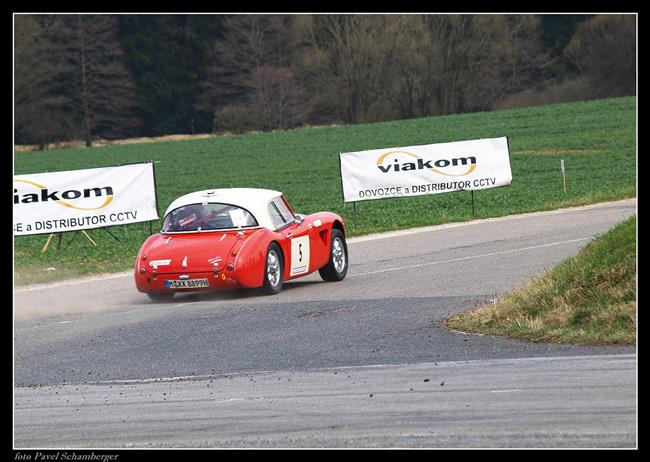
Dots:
pixel 472 194
pixel 70 241
pixel 47 244
pixel 89 238
pixel 111 234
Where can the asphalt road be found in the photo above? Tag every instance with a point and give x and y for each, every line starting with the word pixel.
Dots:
pixel 98 365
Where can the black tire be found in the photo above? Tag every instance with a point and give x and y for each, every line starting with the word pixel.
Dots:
pixel 273 267
pixel 337 266
pixel 161 297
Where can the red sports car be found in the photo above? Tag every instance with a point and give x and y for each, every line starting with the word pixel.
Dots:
pixel 239 237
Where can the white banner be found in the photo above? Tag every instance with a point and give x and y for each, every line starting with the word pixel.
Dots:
pixel 425 169
pixel 83 199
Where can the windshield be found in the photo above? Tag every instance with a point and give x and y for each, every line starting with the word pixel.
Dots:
pixel 207 217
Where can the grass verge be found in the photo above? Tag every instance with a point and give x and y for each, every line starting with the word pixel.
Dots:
pixel 588 299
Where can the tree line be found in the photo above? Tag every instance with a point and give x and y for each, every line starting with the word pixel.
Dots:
pixel 95 76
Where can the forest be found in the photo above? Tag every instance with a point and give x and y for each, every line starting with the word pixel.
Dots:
pixel 94 77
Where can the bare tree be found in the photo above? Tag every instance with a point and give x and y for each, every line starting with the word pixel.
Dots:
pixel 347 61
pixel 249 44
pixel 503 55
pixel 41 110
pixel 413 66
pixel 278 97
pixel 97 82
pixel 604 50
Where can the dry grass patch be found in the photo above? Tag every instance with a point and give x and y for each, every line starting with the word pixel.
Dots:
pixel 588 299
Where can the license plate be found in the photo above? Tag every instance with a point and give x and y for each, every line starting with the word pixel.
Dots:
pixel 186 283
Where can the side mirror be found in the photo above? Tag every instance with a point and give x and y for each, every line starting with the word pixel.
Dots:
pixel 299 219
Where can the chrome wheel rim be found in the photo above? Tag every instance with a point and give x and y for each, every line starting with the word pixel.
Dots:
pixel 338 255
pixel 273 268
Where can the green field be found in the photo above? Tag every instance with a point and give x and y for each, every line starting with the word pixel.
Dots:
pixel 597 140
pixel 588 299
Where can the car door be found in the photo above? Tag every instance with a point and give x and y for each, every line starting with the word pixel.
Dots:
pixel 298 248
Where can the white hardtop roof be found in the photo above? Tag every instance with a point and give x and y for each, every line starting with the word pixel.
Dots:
pixel 252 199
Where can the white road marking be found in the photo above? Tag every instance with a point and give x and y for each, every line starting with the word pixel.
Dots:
pixel 491 254
pixel 149 380
pixel 229 400
pixel 424 365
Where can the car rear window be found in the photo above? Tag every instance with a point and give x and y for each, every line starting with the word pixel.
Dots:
pixel 208 217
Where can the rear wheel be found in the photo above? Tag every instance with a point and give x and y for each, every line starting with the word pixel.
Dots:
pixel 337 267
pixel 273 270
pixel 161 296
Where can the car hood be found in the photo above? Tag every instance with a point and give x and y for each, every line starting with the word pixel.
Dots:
pixel 188 253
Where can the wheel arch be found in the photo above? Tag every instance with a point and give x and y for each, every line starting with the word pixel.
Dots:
pixel 251 259
pixel 282 255
pixel 337 224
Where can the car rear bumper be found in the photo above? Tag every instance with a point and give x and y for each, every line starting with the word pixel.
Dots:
pixel 149 283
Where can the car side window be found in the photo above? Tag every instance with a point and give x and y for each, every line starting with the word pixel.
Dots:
pixel 276 217
pixel 284 210
pixel 280 213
